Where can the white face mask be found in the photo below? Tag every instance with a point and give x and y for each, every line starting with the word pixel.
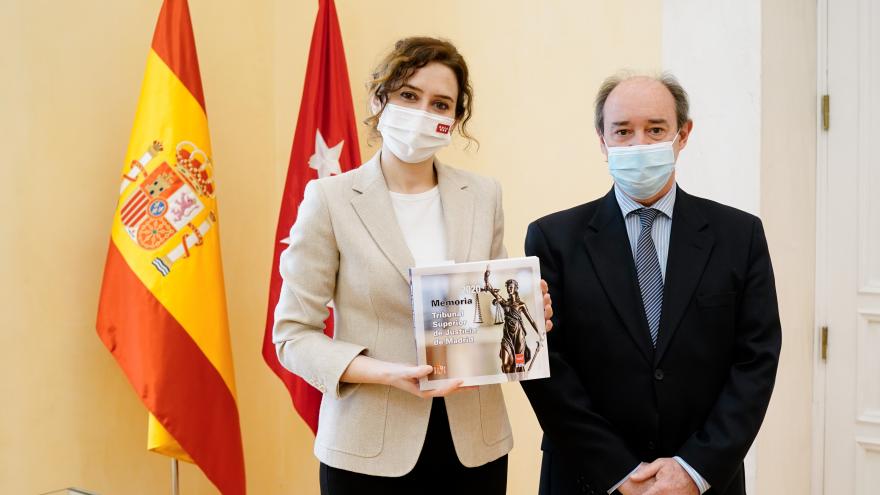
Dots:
pixel 413 135
pixel 641 171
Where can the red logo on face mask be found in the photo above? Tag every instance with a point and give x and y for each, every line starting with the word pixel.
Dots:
pixel 443 128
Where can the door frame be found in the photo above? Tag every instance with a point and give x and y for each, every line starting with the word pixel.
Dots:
pixel 821 293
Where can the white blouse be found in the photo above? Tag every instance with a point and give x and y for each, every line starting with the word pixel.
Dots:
pixel 420 217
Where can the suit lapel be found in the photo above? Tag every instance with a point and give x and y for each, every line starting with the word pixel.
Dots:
pixel 375 210
pixel 690 244
pixel 458 212
pixel 609 249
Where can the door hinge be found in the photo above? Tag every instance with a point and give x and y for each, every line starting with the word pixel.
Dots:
pixel 824 350
pixel 826 112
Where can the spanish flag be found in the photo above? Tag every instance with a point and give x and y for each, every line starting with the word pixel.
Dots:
pixel 162 310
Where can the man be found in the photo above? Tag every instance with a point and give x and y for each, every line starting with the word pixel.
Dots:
pixel 667 333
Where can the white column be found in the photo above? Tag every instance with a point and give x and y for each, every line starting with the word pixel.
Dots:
pixel 714 49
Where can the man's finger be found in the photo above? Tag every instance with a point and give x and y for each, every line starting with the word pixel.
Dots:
pixel 656 489
pixel 645 472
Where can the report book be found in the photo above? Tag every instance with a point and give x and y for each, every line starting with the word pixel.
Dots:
pixel 480 322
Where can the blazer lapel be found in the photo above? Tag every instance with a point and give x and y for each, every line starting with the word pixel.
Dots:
pixel 690 244
pixel 458 212
pixel 375 210
pixel 609 249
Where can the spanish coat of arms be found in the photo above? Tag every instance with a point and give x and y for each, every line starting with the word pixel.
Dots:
pixel 167 200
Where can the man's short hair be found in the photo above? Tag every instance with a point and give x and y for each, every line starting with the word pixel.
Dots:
pixel 682 106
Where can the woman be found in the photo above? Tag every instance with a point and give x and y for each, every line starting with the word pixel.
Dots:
pixel 355 238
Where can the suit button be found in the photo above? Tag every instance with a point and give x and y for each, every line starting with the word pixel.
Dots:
pixel 651 446
pixel 658 375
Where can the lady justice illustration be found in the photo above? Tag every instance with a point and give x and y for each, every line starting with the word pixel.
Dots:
pixel 516 357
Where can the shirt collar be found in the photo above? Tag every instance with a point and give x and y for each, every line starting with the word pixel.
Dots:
pixel 628 205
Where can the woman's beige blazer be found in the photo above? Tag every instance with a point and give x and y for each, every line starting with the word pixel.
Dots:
pixel 346 247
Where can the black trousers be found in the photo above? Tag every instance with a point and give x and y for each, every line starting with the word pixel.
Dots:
pixel 437 470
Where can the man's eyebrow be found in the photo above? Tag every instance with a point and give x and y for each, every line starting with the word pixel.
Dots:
pixel 650 121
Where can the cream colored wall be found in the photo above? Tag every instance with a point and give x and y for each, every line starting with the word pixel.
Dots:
pixel 71 79
pixel 788 205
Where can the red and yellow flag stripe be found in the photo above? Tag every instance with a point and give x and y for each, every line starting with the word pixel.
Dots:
pixel 162 311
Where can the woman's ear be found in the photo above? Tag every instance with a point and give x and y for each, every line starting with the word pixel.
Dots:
pixel 375 105
pixel 453 127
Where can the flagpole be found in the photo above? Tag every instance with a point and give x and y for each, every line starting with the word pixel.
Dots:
pixel 175 480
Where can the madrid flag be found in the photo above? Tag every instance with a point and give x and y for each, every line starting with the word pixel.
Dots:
pixel 325 143
pixel 162 310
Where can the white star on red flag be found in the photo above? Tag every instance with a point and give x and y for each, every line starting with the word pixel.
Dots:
pixel 326 159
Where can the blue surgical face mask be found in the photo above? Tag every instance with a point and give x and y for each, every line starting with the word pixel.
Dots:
pixel 641 171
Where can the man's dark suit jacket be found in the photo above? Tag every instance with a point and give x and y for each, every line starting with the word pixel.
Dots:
pixel 612 399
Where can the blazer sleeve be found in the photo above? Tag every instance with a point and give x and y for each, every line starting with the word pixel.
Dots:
pixel 498 250
pixel 717 449
pixel 561 403
pixel 309 268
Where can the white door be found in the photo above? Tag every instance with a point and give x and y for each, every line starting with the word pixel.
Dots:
pixel 848 251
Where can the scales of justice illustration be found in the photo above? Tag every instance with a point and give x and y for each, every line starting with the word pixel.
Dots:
pixel 516 356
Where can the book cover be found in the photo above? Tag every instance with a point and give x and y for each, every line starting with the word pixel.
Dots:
pixel 480 322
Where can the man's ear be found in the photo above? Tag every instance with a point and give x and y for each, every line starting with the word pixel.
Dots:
pixel 602 146
pixel 684 133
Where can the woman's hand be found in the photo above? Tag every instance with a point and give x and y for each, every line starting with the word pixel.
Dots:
pixel 548 305
pixel 406 378
pixel 364 369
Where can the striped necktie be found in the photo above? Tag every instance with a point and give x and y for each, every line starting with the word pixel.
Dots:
pixel 648 271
